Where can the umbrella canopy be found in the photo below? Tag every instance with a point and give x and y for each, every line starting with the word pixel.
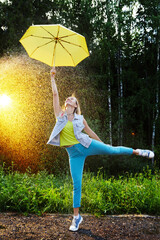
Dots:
pixel 55 45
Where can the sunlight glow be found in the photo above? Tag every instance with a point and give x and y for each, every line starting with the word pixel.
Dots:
pixel 4 100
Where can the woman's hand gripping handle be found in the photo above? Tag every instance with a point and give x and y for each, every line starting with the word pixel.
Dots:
pixel 53 83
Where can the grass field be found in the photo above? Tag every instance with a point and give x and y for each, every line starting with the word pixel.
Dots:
pixel 39 193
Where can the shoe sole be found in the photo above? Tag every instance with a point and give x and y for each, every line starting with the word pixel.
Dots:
pixel 77 227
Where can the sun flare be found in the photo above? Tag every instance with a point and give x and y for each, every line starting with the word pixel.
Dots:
pixel 4 100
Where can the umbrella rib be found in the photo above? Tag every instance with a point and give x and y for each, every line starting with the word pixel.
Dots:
pixel 69 35
pixel 74 45
pixel 67 51
pixel 71 43
pixel 58 31
pixel 41 37
pixel 40 46
pixel 54 50
pixel 47 31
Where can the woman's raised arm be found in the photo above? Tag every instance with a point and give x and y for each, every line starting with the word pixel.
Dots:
pixel 56 105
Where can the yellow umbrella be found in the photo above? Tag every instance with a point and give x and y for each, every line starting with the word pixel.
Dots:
pixel 55 45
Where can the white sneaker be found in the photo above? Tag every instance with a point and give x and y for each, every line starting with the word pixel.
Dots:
pixel 145 153
pixel 75 223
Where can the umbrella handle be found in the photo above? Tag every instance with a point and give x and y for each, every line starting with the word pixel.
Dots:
pixel 54 56
pixel 54 61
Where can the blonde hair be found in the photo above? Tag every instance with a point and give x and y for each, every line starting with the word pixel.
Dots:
pixel 77 109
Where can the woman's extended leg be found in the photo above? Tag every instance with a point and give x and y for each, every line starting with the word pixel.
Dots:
pixel 99 148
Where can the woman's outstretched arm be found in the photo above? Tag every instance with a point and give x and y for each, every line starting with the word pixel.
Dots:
pixel 56 105
pixel 89 131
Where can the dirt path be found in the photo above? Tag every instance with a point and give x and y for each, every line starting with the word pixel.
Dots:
pixel 55 226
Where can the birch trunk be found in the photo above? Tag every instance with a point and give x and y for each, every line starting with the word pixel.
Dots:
pixel 120 102
pixel 156 113
pixel 120 82
pixel 110 111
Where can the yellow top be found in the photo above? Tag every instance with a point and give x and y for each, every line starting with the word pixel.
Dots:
pixel 67 136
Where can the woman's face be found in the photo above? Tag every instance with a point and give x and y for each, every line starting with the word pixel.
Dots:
pixel 72 101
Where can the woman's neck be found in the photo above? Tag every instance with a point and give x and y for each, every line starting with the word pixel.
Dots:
pixel 70 111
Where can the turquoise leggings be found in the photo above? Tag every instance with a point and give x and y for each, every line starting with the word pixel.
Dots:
pixel 77 155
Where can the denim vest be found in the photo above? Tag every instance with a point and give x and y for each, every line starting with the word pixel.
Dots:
pixel 78 126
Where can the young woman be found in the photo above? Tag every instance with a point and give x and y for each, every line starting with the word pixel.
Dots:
pixel 68 133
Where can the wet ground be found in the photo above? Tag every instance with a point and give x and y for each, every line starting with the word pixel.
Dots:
pixel 55 226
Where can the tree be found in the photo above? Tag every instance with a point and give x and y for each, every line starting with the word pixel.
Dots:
pixel 16 17
pixel 150 20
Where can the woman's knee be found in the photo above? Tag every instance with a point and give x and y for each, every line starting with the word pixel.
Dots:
pixel 77 184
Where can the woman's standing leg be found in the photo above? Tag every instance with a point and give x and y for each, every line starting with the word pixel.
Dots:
pixel 76 161
pixel 77 155
pixel 76 169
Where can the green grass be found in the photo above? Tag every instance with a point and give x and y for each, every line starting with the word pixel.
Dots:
pixel 39 193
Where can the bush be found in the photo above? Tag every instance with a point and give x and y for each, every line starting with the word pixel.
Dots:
pixel 43 192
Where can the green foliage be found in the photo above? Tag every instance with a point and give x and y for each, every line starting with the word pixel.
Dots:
pixel 43 192
pixel 123 49
pixel 16 17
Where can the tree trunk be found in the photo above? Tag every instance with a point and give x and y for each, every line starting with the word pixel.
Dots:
pixel 120 102
pixel 120 82
pixel 156 112
pixel 110 111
